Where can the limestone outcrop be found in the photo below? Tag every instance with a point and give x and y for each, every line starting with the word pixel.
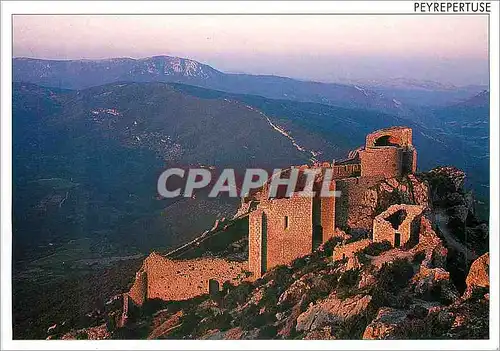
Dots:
pixel 384 325
pixel 478 276
pixel 331 310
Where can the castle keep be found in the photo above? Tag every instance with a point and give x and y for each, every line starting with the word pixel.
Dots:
pixel 389 153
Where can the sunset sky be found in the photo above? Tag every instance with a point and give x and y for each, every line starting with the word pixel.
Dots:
pixel 449 49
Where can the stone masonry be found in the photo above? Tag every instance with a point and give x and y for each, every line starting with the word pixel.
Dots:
pixel 284 228
pixel 288 226
pixel 389 153
pixel 167 279
pixel 399 224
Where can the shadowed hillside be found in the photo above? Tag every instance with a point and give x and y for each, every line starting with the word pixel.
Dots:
pixel 80 74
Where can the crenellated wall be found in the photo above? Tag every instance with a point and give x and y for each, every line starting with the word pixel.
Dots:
pixel 348 170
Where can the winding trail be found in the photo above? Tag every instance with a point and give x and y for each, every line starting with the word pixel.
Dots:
pixel 285 134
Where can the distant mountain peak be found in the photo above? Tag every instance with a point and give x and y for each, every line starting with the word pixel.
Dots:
pixel 173 66
pixel 152 67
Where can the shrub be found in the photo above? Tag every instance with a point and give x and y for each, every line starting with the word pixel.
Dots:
pixel 347 283
pixel 352 328
pixel 348 279
pixel 299 263
pixel 270 296
pixel 314 266
pixel 189 323
pixel 376 248
pixel 268 332
pixel 250 318
pixel 226 286
pixel 221 321
pixel 431 327
pixel 312 295
pixel 150 306
pixel 330 245
pixel 362 258
pixel 380 297
pixel 111 323
pixel 125 333
pixel 82 336
pixel 394 276
pixel 419 257
pixel 281 275
pixel 236 295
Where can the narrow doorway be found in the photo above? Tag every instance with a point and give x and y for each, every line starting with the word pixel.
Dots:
pixel 397 239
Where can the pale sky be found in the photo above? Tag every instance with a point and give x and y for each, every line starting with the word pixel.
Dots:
pixel 449 49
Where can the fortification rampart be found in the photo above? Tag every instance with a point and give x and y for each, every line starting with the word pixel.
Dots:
pixel 139 291
pixel 167 279
pixel 353 209
pixel 401 136
pixel 348 170
pixel 388 152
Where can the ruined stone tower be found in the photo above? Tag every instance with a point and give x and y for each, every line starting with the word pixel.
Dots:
pixel 399 225
pixel 388 153
pixel 284 228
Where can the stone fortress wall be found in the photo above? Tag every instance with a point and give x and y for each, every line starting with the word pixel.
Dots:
pixel 168 279
pixel 348 251
pixel 399 225
pixel 387 153
pixel 283 228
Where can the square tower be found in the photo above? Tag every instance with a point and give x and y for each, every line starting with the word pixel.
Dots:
pixel 282 229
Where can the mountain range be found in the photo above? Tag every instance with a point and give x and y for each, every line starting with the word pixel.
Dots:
pixel 79 74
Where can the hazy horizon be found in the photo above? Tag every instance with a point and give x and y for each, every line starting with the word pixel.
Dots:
pixel 445 49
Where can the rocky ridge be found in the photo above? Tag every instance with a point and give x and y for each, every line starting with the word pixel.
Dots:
pixel 379 293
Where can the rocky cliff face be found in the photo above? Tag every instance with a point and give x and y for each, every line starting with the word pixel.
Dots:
pixel 378 293
pixel 478 279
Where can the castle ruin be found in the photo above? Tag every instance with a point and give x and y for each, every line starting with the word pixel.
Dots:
pixel 399 225
pixel 287 226
pixel 282 229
